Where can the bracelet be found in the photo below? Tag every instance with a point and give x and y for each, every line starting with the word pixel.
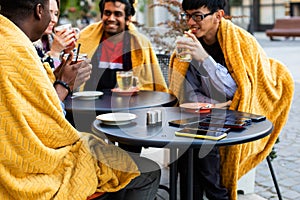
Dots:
pixel 64 84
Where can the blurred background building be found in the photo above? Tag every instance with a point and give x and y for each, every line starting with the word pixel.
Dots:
pixel 258 15
pixel 160 19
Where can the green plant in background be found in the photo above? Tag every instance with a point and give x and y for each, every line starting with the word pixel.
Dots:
pixel 142 5
pixel 70 9
pixel 63 5
pixel 235 2
pixel 77 9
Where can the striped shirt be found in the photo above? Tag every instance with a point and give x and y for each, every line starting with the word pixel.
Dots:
pixel 209 81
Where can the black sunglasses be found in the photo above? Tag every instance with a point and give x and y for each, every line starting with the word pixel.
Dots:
pixel 195 17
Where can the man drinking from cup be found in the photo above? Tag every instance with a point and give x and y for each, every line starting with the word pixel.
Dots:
pixel 56 40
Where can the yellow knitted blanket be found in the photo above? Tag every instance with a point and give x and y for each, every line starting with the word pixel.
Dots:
pixel 265 87
pixel 144 61
pixel 42 155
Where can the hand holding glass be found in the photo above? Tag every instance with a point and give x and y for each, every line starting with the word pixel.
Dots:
pixel 181 53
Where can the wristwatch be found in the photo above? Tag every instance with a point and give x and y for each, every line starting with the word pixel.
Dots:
pixel 64 84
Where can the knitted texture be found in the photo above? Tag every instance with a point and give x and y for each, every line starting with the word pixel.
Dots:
pixel 265 87
pixel 144 61
pixel 42 155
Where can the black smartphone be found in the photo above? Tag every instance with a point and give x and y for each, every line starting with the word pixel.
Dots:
pixel 185 122
pixel 200 133
pixel 257 118
pixel 223 123
pixel 231 118
pixel 235 114
pixel 253 117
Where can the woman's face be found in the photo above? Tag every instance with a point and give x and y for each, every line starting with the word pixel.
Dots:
pixel 54 16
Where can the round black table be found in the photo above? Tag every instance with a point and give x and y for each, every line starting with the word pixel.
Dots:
pixel 110 102
pixel 81 113
pixel 140 134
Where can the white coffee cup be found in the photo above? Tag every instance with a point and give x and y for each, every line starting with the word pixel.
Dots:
pixel 67 27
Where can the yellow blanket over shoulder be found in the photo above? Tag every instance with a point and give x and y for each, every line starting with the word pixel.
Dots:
pixel 265 87
pixel 144 61
pixel 42 155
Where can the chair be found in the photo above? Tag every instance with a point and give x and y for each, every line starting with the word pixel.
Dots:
pixel 163 61
pixel 274 177
pixel 163 188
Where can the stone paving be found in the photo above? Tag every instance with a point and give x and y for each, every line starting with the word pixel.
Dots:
pixel 287 163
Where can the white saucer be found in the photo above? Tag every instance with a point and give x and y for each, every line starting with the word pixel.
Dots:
pixel 116 118
pixel 87 95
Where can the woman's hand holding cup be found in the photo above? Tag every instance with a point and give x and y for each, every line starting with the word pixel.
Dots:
pixel 66 37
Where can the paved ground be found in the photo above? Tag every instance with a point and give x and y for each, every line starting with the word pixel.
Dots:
pixel 287 163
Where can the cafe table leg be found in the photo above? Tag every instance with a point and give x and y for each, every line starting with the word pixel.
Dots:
pixel 173 173
pixel 190 174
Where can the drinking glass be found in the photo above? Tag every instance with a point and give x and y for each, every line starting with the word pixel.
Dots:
pixel 124 79
pixel 181 53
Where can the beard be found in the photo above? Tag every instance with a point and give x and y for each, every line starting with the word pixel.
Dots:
pixel 111 33
pixel 112 29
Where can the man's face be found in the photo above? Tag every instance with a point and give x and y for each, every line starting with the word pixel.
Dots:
pixel 114 18
pixel 43 21
pixel 46 18
pixel 207 27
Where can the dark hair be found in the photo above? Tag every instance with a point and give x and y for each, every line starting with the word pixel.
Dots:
pixel 212 5
pixel 58 3
pixel 19 8
pixel 129 8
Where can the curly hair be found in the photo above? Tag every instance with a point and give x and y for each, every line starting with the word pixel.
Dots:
pixel 129 8
pixel 19 8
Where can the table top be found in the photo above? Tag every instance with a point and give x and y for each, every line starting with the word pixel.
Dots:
pixel 139 133
pixel 112 102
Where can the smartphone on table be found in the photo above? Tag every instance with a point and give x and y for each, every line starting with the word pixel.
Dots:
pixel 237 115
pixel 201 133
pixel 185 122
pixel 223 123
pixel 231 118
